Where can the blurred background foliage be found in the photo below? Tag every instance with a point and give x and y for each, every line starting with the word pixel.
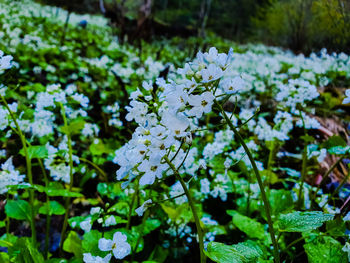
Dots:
pixel 301 25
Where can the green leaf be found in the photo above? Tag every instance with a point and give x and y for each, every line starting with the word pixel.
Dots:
pixel 73 244
pixel 90 242
pixel 251 227
pixel 334 141
pixel 99 148
pixel 302 221
pixel 18 209
pixel 74 127
pixel 159 254
pixel 55 208
pixel 336 227
pixel 4 257
pixel 36 151
pixel 151 224
pixel 241 253
pixel 23 251
pixel 322 249
pixel 280 201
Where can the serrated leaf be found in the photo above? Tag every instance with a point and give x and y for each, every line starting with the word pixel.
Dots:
pixel 322 249
pixel 251 227
pixel 18 209
pixel 55 208
pixel 240 253
pixel 302 221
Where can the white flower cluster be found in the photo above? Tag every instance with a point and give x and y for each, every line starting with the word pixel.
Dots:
pixel 9 176
pixel 167 114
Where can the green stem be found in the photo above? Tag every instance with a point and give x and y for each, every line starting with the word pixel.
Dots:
pixel 95 166
pixel 7 220
pixel 193 208
pixel 70 151
pixel 270 163
pixel 134 250
pixel 29 170
pixel 302 177
pixel 303 167
pixel 258 177
pixel 48 216
pixel 131 207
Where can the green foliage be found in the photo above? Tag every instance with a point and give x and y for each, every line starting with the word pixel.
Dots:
pixel 302 221
pixel 73 244
pixel 54 208
pixel 23 251
pixel 321 249
pixel 36 151
pixel 246 252
pixel 18 209
pixel 250 226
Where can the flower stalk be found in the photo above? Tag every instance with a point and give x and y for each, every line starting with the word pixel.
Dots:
pixel 29 169
pixel 193 209
pixel 260 182
pixel 70 152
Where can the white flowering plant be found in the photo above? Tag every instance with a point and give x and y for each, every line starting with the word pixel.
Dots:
pixel 113 153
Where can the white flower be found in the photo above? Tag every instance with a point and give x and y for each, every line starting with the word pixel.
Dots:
pixel 139 211
pixel 232 85
pixel 211 73
pixel 86 225
pixel 347 99
pixel 60 172
pixel 152 168
pixel 5 61
pixel 118 245
pixel 9 176
pixel 110 221
pixel 200 104
pixel 177 123
pixel 88 258
pixel 95 210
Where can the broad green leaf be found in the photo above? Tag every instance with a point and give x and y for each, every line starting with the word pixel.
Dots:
pixel 240 253
pixel 280 201
pixel 74 127
pixel 23 251
pixel 55 208
pixel 90 242
pixel 323 249
pixel 336 227
pixel 302 221
pixel 251 227
pixel 4 257
pixel 159 254
pixel 73 244
pixel 151 224
pixel 99 148
pixel 18 209
pixel 334 141
pixel 35 151
pixel 8 240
